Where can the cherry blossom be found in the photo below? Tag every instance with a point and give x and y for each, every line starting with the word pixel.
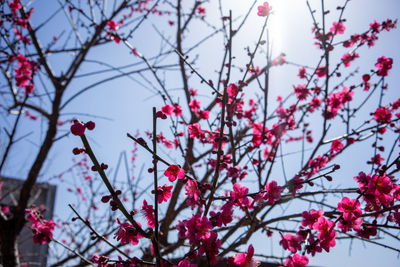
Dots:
pixel 173 172
pixel 264 10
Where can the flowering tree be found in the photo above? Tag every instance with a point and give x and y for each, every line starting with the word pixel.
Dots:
pixel 217 185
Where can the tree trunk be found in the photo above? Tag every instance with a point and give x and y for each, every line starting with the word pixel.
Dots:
pixel 9 244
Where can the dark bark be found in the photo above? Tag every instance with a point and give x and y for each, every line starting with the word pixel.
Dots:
pixel 9 244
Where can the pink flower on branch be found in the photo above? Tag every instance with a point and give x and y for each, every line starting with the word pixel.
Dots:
pixel 246 259
pixel 296 260
pixel 264 10
pixel 148 212
pixel 273 192
pixel 163 193
pixel 173 172
pixel 127 233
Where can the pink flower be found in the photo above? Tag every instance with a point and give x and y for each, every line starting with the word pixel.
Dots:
pixel 321 71
pixel 101 261
pixel 225 216
pixel 201 10
pixel 193 92
pixel 336 145
pixel 296 261
pixel 204 114
pixel 273 192
pixel 42 229
pixel 384 65
pixel 232 90
pixel 167 110
pixel 291 242
pixel 192 191
pixel 194 105
pixel 112 25
pixel 195 131
pixel 177 110
pixel 246 260
pixel 239 195
pixel 302 92
pixel 326 233
pixel 173 172
pixel 349 207
pixel 148 212
pixel 195 229
pixel 310 218
pixel 164 193
pixel 347 58
pixel 264 10
pixel 127 233
pixel 210 246
pixel 382 115
pixel 337 28
pixel 280 60
pixel 302 73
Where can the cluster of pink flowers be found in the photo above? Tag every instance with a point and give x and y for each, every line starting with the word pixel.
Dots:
pixel 383 65
pixel 380 190
pixel 24 73
pixel 264 10
pixel 173 172
pixel 348 58
pixel 351 214
pixel 163 193
pixel 336 101
pixel 273 192
pixel 42 229
pixel 244 259
pixel 197 230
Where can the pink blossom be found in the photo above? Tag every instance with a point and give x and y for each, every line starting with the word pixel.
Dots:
pixel 302 73
pixel 112 25
pixel 273 192
pixel 291 242
pixel 337 28
pixel 210 246
pixel 336 146
pixel 173 172
pixel 239 195
pixel 195 131
pixel 195 229
pixel 177 110
pixel 296 261
pixel 163 192
pixel 302 92
pixel 311 217
pixel 326 233
pixel 264 10
pixel 192 192
pixel 148 212
pixel 246 259
pixel 382 115
pixel 384 65
pixel 349 207
pixel 347 58
pixel 127 233
pixel 194 105
pixel 167 110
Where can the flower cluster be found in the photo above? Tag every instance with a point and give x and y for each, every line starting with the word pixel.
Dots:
pixel 42 229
